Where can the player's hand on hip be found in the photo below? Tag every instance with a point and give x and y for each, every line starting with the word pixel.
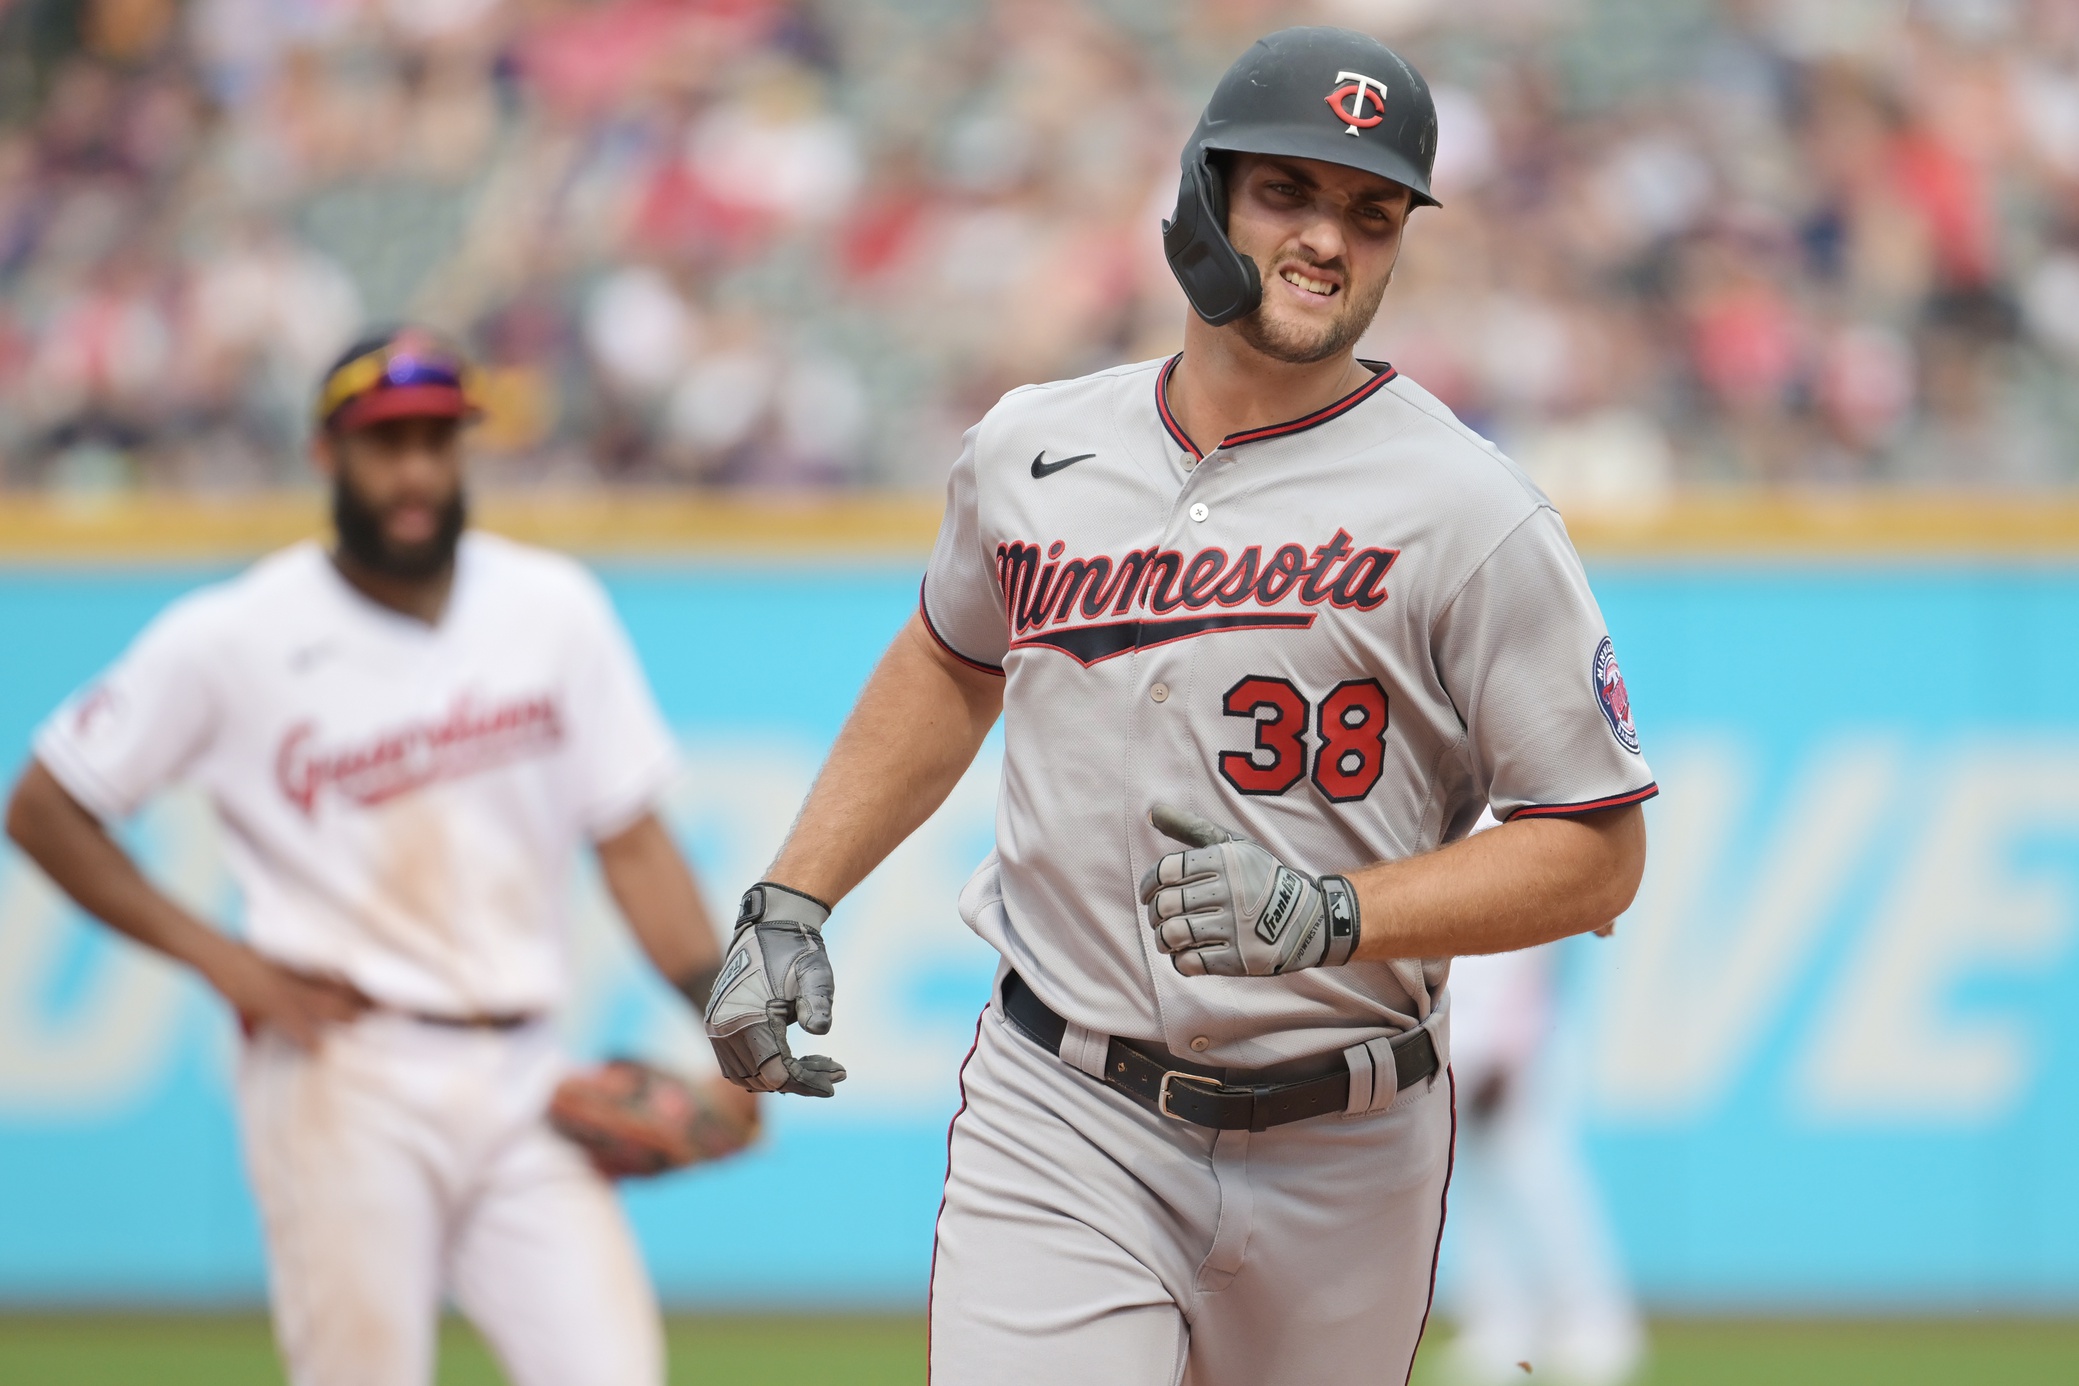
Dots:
pixel 1226 907
pixel 774 974
pixel 268 996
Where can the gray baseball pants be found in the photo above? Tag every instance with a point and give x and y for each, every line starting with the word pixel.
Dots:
pixel 1088 1241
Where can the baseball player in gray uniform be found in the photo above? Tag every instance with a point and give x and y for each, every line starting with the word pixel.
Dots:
pixel 1268 629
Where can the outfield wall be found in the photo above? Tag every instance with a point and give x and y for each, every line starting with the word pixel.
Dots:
pixel 1828 1061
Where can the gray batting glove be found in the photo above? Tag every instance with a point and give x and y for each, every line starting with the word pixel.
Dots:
pixel 1228 908
pixel 775 974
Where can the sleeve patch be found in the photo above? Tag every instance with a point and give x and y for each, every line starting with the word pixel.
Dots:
pixel 1615 700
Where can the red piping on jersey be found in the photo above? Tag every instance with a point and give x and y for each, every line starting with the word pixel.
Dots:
pixel 1443 1212
pixel 995 669
pixel 931 1285
pixel 1384 373
pixel 1636 796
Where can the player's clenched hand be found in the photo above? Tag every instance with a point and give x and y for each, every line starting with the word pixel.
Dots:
pixel 775 974
pixel 267 995
pixel 1228 908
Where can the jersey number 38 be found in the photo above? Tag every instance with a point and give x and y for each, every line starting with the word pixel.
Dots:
pixel 1350 727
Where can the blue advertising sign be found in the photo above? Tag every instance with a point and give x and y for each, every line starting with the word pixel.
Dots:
pixel 1832 1052
pixel 1823 1057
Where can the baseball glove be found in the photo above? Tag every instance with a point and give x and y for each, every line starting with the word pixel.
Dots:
pixel 634 1119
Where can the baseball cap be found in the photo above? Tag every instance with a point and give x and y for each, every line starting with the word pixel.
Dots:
pixel 407 373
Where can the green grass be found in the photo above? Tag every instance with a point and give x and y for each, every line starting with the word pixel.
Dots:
pixel 1903 1352
pixel 234 1350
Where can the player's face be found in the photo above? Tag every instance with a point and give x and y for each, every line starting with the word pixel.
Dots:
pixel 1324 238
pixel 397 496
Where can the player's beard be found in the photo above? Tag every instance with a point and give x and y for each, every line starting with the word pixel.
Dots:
pixel 361 537
pixel 1304 345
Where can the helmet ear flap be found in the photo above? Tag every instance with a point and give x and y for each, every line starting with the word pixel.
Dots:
pixel 1213 167
pixel 1220 281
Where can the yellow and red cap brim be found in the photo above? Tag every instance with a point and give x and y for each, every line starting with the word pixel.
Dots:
pixel 404 402
pixel 404 378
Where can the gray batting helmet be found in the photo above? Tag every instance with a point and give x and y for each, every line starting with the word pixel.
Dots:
pixel 1308 93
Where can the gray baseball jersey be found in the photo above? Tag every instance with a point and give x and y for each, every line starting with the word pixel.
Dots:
pixel 1345 636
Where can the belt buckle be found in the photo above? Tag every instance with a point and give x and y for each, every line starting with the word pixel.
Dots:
pixel 1162 1093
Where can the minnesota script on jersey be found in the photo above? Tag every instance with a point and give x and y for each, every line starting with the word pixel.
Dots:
pixel 1345 636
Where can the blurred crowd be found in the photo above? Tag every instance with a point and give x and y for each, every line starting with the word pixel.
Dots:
pixel 1755 241
pixel 802 243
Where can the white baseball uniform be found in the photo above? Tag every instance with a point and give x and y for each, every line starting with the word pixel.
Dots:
pixel 1537 1278
pixel 403 803
pixel 1345 636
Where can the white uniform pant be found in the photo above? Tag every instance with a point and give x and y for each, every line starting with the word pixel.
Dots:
pixel 403 1161
pixel 1538 1277
pixel 1086 1239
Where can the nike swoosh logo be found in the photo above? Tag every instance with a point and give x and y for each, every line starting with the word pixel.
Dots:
pixel 1042 468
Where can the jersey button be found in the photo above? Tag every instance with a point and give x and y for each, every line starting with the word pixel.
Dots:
pixel 1160 692
pixel 1200 510
pixel 1200 1044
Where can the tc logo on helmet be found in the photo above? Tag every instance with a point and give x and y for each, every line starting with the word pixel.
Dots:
pixel 1349 101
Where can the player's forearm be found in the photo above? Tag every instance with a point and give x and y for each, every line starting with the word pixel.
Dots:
pixel 913 734
pixel 1522 884
pixel 73 849
pixel 656 893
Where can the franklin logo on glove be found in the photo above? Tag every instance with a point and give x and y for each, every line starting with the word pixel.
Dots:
pixel 1228 908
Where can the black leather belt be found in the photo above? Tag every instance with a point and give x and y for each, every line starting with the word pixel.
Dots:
pixel 1210 1097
